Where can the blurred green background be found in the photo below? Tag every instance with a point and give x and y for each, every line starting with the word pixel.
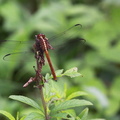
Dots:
pixel 98 59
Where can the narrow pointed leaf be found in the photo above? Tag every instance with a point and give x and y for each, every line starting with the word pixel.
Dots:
pixel 25 100
pixel 73 72
pixel 70 104
pixel 23 118
pixel 76 94
pixel 59 73
pixel 83 115
pixel 35 116
pixel 8 115
pixel 60 115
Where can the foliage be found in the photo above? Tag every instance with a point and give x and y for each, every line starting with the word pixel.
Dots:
pixel 59 105
pixel 98 59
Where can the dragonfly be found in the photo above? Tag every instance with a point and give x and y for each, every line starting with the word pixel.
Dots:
pixel 42 45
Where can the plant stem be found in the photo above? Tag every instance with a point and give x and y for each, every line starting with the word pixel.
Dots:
pixel 40 78
pixel 44 103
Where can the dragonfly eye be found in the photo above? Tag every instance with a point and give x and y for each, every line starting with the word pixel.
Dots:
pixel 43 36
pixel 39 36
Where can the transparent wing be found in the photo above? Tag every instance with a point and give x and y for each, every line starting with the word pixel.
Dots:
pixel 16 45
pixel 67 35
pixel 74 27
pixel 24 56
pixel 70 35
pixel 56 40
pixel 15 50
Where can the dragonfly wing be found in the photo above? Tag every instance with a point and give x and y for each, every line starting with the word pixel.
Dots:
pixel 67 35
pixel 14 46
pixel 19 50
pixel 26 55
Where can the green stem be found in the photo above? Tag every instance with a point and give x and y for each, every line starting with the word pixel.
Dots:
pixel 44 103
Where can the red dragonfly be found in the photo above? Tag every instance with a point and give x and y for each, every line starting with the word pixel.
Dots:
pixel 42 45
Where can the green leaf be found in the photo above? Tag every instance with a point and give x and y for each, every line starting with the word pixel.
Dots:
pixel 76 94
pixel 47 76
pixel 25 100
pixel 70 104
pixel 77 118
pixel 72 72
pixel 59 73
pixel 23 118
pixel 60 115
pixel 18 115
pixel 83 115
pixel 52 91
pixel 34 116
pixel 71 113
pixel 8 115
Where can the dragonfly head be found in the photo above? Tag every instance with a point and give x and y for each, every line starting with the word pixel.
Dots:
pixel 39 36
